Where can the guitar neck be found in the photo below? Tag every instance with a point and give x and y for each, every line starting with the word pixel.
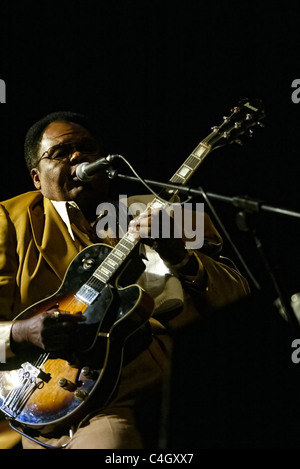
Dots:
pixel 191 164
pixel 125 246
pixel 242 118
pixel 187 169
pixel 115 258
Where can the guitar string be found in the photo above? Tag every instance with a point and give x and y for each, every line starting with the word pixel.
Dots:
pixel 29 390
pixel 13 399
pixel 17 400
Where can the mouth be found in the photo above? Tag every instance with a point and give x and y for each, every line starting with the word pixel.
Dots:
pixel 76 183
pixel 75 179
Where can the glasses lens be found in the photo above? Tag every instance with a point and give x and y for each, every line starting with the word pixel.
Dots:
pixel 65 150
pixel 59 152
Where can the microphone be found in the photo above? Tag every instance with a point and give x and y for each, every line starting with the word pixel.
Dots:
pixel 86 171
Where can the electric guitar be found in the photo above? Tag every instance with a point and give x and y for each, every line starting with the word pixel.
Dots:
pixel 46 394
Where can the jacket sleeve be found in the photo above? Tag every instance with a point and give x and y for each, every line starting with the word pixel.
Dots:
pixel 8 273
pixel 223 283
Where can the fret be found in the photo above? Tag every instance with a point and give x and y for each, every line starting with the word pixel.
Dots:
pixel 202 149
pixel 190 165
pixel 104 270
pixel 107 264
pixel 111 262
pixel 119 254
pixel 115 259
pixel 178 178
pixel 126 244
pixel 129 239
pixel 193 160
pixel 184 171
pixel 97 274
pixel 122 250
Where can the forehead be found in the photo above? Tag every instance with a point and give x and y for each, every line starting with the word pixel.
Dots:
pixel 58 132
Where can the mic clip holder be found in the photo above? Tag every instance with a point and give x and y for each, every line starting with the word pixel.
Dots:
pixel 111 172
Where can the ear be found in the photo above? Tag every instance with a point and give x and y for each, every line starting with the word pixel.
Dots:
pixel 34 173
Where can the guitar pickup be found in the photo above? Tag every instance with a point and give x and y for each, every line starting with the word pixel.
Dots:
pixel 87 294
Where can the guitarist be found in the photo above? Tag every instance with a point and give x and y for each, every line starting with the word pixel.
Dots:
pixel 38 240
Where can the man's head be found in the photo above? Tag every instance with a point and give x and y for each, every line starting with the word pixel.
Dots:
pixel 35 133
pixel 54 146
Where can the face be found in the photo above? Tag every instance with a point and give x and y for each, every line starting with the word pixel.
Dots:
pixel 56 178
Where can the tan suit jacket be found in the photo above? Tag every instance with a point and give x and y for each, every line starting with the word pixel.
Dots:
pixel 36 249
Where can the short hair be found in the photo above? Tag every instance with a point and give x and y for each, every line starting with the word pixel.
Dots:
pixel 35 133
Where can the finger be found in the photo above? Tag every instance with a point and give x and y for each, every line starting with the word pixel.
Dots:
pixel 66 316
pixel 140 225
pixel 58 315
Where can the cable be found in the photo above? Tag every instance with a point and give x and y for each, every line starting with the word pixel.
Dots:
pixel 146 185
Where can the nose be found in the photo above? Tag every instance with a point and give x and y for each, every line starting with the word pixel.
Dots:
pixel 77 157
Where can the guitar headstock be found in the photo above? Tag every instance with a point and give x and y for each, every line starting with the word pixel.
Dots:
pixel 238 124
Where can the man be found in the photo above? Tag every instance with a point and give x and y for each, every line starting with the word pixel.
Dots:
pixel 39 239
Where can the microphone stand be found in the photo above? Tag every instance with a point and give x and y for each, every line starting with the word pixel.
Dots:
pixel 247 207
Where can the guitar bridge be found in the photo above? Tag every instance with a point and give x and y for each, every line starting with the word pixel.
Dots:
pixel 87 294
pixel 30 378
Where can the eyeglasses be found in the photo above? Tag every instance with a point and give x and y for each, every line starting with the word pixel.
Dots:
pixel 64 151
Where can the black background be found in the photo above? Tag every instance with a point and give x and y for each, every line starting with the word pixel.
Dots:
pixel 155 76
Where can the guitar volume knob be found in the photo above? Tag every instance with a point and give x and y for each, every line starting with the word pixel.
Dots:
pixel 89 373
pixel 67 384
pixel 80 395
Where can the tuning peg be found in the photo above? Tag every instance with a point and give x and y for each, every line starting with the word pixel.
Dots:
pixel 260 124
pixel 237 125
pixel 239 142
pixel 225 118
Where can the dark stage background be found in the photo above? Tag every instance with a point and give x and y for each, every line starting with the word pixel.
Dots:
pixel 155 76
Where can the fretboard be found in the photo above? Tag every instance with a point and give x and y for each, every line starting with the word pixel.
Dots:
pixel 188 168
pixel 125 246
pixel 115 258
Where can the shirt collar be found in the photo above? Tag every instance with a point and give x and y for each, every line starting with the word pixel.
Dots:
pixel 62 209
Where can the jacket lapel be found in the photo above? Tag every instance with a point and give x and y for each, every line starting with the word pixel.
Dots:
pixel 51 237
